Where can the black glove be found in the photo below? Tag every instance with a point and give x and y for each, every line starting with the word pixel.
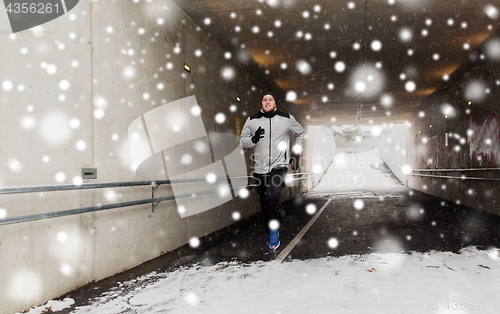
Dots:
pixel 258 135
pixel 294 161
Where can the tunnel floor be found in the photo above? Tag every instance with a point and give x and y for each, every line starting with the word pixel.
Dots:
pixel 397 221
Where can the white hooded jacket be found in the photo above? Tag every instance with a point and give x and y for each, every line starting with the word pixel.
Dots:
pixel 272 151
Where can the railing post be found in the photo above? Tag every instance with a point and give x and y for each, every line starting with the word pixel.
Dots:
pixel 153 204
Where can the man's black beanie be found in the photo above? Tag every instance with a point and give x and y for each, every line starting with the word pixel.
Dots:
pixel 269 93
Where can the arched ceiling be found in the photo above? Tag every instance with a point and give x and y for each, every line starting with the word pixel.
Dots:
pixel 349 62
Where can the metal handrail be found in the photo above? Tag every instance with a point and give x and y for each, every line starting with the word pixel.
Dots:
pixel 446 170
pixel 76 211
pixel 453 170
pixel 66 187
pixel 86 186
pixel 451 177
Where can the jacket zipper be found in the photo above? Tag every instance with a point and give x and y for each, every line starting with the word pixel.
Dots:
pixel 270 133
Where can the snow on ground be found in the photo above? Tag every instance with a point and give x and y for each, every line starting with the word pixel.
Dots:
pixel 54 306
pixel 432 282
pixel 356 172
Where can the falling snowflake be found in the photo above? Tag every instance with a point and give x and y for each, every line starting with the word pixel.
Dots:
pixel 303 67
pixel 359 204
pixel 410 86
pixel 236 216
pixel 28 122
pixel 194 242
pixel 311 209
pixel 273 3
pixel 291 96
pixel 60 177
pixel 360 86
pixel 81 145
pixel 406 169
pixel 228 73
pixel 491 11
pixel 244 193
pixel 7 85
pixel 3 213
pixel 211 178
pixel 475 90
pixel 340 66
pixel 376 45
pixel 448 110
pixel 15 165
pixel 196 110
pixel 55 128
pixel 274 224
pixel 387 100
pixel 220 118
pixel 492 49
pixel 405 34
pixel 64 84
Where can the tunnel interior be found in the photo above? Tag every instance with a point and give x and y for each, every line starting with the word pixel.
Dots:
pixel 121 162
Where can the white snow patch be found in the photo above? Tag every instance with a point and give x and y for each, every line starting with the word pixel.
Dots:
pixel 53 306
pixel 356 172
pixel 369 283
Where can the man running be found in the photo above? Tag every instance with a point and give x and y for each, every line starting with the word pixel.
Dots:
pixel 268 133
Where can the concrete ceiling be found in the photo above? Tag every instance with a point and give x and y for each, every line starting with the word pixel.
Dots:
pixel 385 45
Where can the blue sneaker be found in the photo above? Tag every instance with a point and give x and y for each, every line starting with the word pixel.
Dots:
pixel 273 240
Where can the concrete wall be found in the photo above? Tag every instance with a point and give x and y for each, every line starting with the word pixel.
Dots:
pixel 453 146
pixel 393 151
pixel 69 91
pixel 318 155
pixel 473 141
pixel 369 142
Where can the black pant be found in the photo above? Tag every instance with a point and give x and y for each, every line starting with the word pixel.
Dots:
pixel 269 187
